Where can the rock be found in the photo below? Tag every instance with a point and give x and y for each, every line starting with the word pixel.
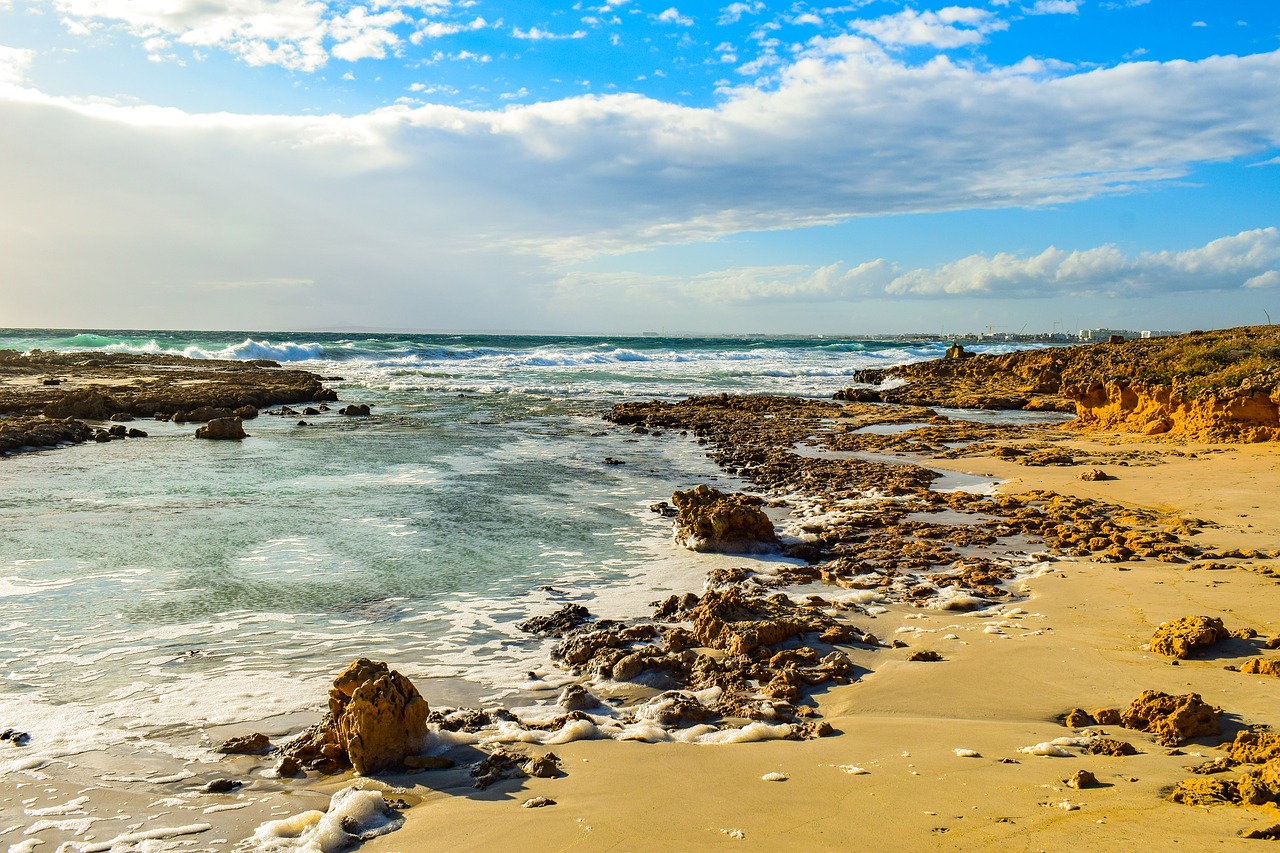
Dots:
pixel 575 697
pixel 1107 717
pixel 1181 637
pixel 222 429
pixel 51 382
pixel 1265 833
pixel 121 417
pixel 1261 666
pixel 609 460
pixel 202 414
pixel 288 766
pixel 542 766
pixel 664 509
pixel 1093 475
pixel 86 403
pixel 254 744
pixel 427 762
pixel 376 720
pixel 711 520
pixel 384 721
pixel 15 737
pixel 1082 779
pixel 1109 746
pixel 136 433
pixel 498 765
pixel 1251 747
pixel 738 623
pixel 1202 791
pixel 926 655
pixel 537 803
pixel 246 413
pixel 556 624
pixel 221 786
pixel 1077 718
pixel 1043 458
pixel 674 709
pixel 1172 719
pixel 355 410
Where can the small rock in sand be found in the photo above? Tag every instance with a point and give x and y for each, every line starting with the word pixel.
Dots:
pixel 1082 779
pixel 537 803
pixel 775 777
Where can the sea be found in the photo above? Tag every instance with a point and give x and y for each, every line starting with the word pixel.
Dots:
pixel 160 594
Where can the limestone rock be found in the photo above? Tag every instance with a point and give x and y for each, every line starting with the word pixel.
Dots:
pixel 1182 637
pixel 1107 717
pixel 1110 746
pixel 85 403
pixel 1082 779
pixel 711 520
pixel 1093 475
pixel 738 623
pixel 1261 666
pixel 1172 719
pixel 376 720
pixel 1255 747
pixel 556 624
pixel 222 429
pixel 355 410
pixel 254 744
pixel 1077 718
pixel 384 721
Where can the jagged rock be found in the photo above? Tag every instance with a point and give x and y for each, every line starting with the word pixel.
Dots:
pixel 496 766
pixel 222 429
pixel 674 709
pixel 1181 637
pixel 1251 747
pixel 731 620
pixel 556 624
pixel 575 697
pixel 85 403
pixel 1107 717
pixel 1110 746
pixel 924 655
pixel 545 766
pixel 376 719
pixel 1082 779
pixel 1261 666
pixel 1265 833
pixel 1205 791
pixel 711 520
pixel 1093 475
pixel 1077 718
pixel 1172 719
pixel 254 744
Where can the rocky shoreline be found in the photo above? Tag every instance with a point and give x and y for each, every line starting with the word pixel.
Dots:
pixel 47 397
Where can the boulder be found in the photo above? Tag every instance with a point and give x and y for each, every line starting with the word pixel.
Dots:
pixel 711 520
pixel 738 623
pixel 1261 666
pixel 1172 719
pixel 222 429
pixel 1182 637
pixel 376 720
pixel 355 410
pixel 253 744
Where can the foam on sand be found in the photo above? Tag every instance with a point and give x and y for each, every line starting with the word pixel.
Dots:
pixel 354 814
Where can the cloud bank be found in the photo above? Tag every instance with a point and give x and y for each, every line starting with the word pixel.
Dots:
pixel 410 200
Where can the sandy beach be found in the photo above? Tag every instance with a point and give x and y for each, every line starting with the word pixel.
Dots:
pixel 1077 640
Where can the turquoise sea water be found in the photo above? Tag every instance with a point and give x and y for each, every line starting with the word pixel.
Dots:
pixel 153 590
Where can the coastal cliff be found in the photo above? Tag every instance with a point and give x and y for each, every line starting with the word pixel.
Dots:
pixel 1213 386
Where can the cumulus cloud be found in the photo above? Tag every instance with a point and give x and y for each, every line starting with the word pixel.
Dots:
pixel 953 26
pixel 1054 7
pixel 536 34
pixel 733 13
pixel 14 62
pixel 1248 259
pixel 673 16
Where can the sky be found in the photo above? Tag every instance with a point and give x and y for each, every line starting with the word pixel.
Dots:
pixel 873 167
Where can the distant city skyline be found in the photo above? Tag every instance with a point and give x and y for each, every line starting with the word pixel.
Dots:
pixel 873 167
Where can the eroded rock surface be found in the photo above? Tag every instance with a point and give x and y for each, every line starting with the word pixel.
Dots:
pixel 1182 637
pixel 711 520
pixel 1173 720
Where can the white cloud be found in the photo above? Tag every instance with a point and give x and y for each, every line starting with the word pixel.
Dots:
pixel 536 34
pixel 953 26
pixel 14 63
pixel 439 29
pixel 1055 7
pixel 733 13
pixel 1199 24
pixel 673 16
pixel 1248 259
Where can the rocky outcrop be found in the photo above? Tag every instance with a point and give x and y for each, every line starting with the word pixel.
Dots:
pixel 1259 785
pixel 376 719
pixel 1183 637
pixel 1228 414
pixel 1173 720
pixel 222 429
pixel 1261 666
pixel 711 520
pixel 20 432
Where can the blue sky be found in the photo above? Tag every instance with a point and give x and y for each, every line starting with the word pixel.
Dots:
pixel 719 167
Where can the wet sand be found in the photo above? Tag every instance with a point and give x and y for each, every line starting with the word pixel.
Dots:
pixel 1076 640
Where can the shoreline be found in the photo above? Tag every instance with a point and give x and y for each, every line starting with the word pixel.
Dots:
pixel 1086 625
pixel 1083 622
